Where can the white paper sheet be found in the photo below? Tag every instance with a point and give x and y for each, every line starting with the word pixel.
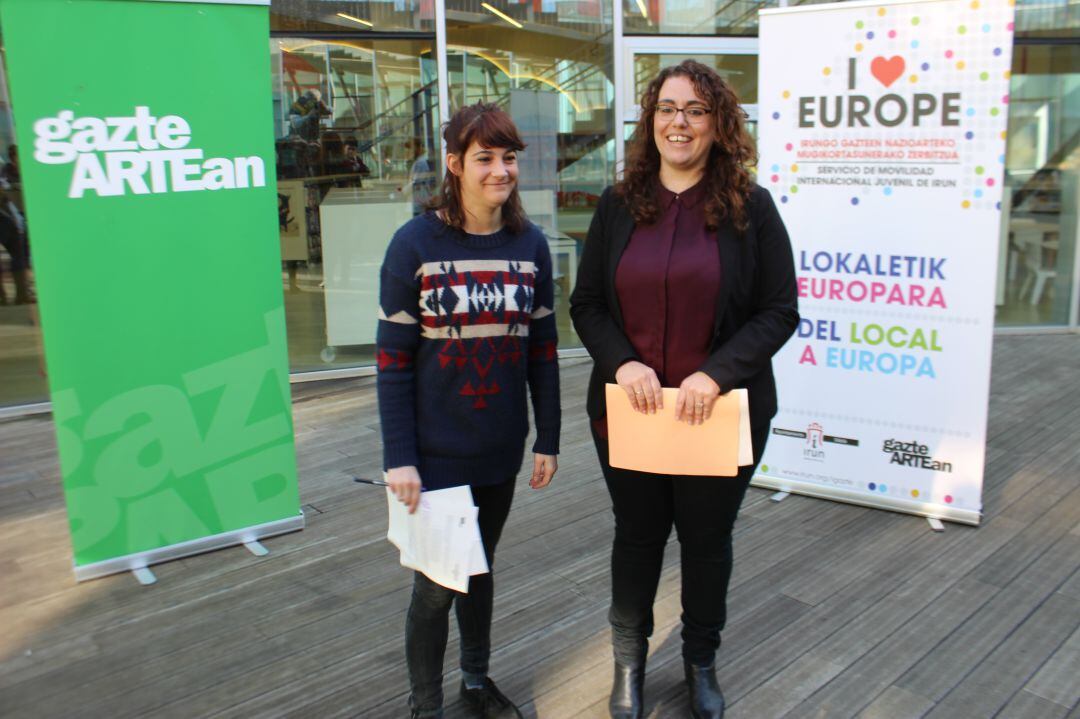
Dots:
pixel 746 445
pixel 442 539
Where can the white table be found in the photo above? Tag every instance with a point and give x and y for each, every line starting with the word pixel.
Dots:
pixel 357 224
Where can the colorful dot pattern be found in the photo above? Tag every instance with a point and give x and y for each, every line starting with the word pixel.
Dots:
pixel 937 59
pixel 902 490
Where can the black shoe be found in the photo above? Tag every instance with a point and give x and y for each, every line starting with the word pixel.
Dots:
pixel 706 699
pixel 627 693
pixel 488 702
pixel 425 714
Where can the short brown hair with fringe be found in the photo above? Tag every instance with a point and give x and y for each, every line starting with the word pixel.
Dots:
pixel 491 127
pixel 727 175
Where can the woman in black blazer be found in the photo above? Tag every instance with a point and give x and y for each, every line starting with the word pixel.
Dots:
pixel 687 281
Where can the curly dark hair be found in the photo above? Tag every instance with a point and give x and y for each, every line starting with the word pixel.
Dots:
pixel 490 126
pixel 733 152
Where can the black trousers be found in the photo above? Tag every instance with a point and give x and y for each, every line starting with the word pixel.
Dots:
pixel 703 512
pixel 12 241
pixel 427 625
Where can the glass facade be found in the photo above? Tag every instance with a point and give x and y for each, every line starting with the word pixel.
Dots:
pixel 692 17
pixel 550 64
pixel 22 363
pixel 740 71
pixel 303 17
pixel 1050 20
pixel 1042 182
pixel 356 121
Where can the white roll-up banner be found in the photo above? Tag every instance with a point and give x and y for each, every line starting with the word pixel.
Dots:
pixel 882 137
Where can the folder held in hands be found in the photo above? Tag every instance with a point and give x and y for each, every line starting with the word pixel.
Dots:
pixel 657 443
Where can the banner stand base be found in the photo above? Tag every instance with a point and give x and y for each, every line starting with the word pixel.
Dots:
pixel 780 496
pixel 256 548
pixel 935 524
pixel 138 563
pixel 894 504
pixel 144 576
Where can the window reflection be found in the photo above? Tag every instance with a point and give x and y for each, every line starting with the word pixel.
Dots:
pixel 1042 176
pixel 347 16
pixel 693 17
pixel 22 363
pixel 739 71
pixel 1037 18
pixel 355 123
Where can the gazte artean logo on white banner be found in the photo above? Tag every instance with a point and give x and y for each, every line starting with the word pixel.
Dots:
pixel 138 154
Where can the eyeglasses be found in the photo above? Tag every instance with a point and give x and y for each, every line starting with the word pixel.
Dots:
pixel 692 114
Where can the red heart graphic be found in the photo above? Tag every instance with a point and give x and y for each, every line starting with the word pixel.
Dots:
pixel 887 71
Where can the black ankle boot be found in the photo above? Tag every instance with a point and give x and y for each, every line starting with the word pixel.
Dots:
pixel 706 699
pixel 627 694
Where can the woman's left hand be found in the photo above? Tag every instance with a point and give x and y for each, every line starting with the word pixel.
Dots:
pixel 697 395
pixel 544 468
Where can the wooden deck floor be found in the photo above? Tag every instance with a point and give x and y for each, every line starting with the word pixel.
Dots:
pixel 835 610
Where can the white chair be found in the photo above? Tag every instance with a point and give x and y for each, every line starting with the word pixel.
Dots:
pixel 1037 247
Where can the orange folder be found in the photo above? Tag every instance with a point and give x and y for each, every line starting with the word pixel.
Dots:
pixel 657 443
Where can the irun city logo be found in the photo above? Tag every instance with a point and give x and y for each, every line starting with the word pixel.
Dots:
pixel 137 155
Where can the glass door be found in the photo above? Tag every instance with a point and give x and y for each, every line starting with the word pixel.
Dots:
pixel 643 57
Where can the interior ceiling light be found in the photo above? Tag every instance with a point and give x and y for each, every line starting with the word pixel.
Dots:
pixel 528 76
pixel 319 43
pixel 501 14
pixel 641 7
pixel 356 19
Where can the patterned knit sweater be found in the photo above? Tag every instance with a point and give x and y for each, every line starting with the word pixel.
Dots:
pixel 465 322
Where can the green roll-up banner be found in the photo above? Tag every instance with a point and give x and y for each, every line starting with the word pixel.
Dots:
pixel 148 172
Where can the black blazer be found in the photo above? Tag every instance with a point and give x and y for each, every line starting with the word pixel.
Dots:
pixel 756 310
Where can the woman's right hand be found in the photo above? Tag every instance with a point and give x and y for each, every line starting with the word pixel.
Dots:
pixel 404 482
pixel 641 386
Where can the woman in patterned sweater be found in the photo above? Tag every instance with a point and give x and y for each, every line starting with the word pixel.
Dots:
pixel 466 332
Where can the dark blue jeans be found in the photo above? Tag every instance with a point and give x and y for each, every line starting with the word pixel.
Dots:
pixel 427 626
pixel 703 511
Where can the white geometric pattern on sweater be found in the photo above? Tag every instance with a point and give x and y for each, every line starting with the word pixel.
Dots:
pixel 476 298
pixel 401 317
pixel 479 298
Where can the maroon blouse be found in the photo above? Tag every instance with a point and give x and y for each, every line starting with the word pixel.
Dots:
pixel 667 282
